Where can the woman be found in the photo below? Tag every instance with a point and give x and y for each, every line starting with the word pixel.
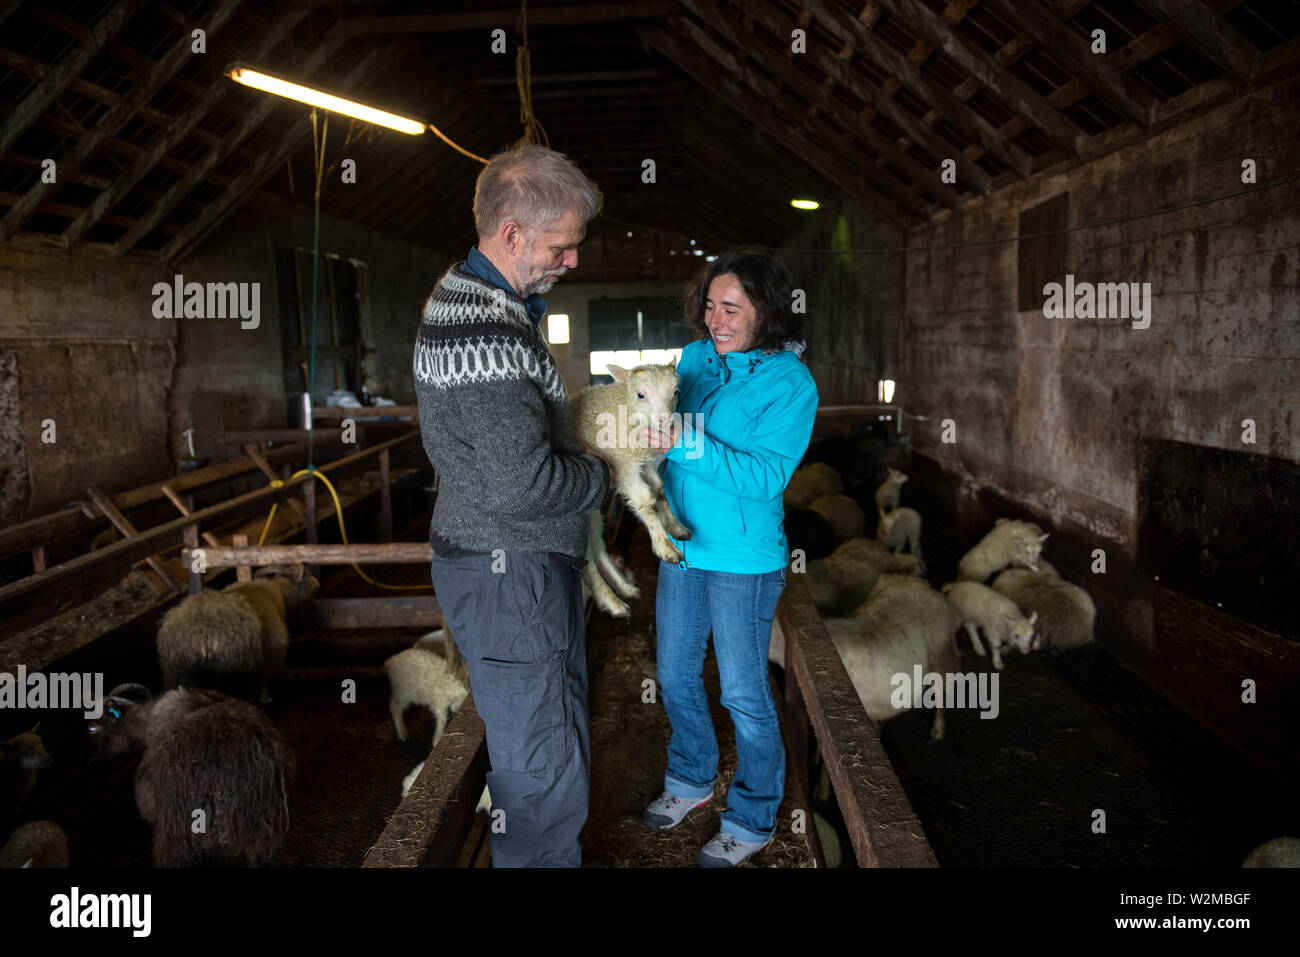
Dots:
pixel 748 404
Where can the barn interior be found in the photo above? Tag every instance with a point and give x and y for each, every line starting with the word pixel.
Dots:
pixel 963 156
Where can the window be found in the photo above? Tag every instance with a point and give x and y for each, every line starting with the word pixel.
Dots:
pixel 630 332
pixel 338 322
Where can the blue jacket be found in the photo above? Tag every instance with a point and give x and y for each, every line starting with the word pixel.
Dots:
pixel 750 423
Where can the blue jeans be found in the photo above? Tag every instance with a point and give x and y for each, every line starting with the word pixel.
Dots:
pixel 739 610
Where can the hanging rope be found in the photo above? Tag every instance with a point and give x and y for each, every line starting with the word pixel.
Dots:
pixel 318 145
pixel 533 130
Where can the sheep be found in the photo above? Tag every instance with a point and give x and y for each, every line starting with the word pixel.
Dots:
pixel 830 841
pixel 1279 852
pixel 845 516
pixel 408 782
pixel 202 750
pixel 642 397
pixel 1009 543
pixel 230 639
pixel 1003 623
pixel 1066 613
pixel 901 529
pixel 844 580
pixel 36 844
pixel 808 532
pixel 811 482
pixel 20 758
pixel 420 676
pixel 904 623
pixel 890 491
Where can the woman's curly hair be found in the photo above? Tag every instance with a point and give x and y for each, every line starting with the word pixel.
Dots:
pixel 767 284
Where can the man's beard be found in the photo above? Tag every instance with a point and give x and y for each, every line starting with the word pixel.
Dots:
pixel 543 283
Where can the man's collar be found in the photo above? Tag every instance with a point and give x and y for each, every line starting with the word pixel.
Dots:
pixel 479 264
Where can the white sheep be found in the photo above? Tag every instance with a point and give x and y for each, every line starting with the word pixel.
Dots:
pixel 843 514
pixel 644 397
pixel 1279 852
pixel 36 844
pixel 901 530
pixel 889 492
pixel 845 579
pixel 980 607
pixel 809 483
pixel 1066 613
pixel 231 639
pixel 904 623
pixel 1009 543
pixel 422 677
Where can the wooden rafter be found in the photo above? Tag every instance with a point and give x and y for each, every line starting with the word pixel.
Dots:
pixel 86 145
pixel 732 89
pixel 935 31
pixel 38 100
pixel 1209 34
pixel 538 16
pixel 1072 51
pixel 168 140
pixel 922 178
pixel 253 177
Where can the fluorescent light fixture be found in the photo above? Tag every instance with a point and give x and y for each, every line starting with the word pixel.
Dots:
pixel 805 204
pixel 557 327
pixel 258 80
pixel 885 390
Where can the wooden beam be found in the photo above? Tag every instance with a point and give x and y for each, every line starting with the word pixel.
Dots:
pixel 922 178
pixel 902 72
pixel 247 182
pixel 164 144
pixel 729 89
pixel 38 100
pixel 570 14
pixel 86 145
pixel 932 28
pixel 408 611
pixel 127 530
pixel 1208 34
pixel 1072 51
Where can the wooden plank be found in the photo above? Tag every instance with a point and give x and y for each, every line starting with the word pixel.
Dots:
pixel 931 28
pixel 185 508
pixel 1209 34
pixel 269 472
pixel 430 825
pixel 124 526
pixel 397 553
pixel 129 178
pixel 138 97
pixel 792 716
pixel 882 826
pixel 337 413
pixel 38 100
pixel 570 14
pixel 1200 658
pixel 1072 51
pixel 406 612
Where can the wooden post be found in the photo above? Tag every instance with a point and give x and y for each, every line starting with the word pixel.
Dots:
pixel 796 710
pixel 385 500
pixel 243 573
pixel 191 536
pixel 309 501
pixel 38 557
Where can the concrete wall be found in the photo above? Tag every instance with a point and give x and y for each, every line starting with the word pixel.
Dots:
pixel 80 345
pixel 1050 413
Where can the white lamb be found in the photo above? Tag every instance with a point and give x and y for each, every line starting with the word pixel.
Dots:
pixel 904 623
pixel 644 397
pixel 1066 613
pixel 809 483
pixel 887 496
pixel 1004 626
pixel 843 514
pixel 901 529
pixel 1009 543
pixel 420 676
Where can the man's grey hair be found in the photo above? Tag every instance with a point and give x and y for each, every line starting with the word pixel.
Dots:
pixel 534 186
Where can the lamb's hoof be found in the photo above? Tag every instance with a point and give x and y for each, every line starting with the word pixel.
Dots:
pixel 615 608
pixel 683 534
pixel 670 555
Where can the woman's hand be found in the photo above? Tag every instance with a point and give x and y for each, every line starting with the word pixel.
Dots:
pixel 663 441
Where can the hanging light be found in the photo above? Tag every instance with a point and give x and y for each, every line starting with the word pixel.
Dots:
pixel 805 204
pixel 269 83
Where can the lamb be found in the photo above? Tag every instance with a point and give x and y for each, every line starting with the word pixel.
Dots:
pixel 1066 613
pixel 1002 622
pixel 901 529
pixel 20 758
pixel 808 532
pixel 903 623
pixel 889 492
pixel 36 844
pixel 844 581
pixel 643 397
pixel 202 751
pixel 845 516
pixel 809 483
pixel 423 677
pixel 1279 852
pixel 1009 543
pixel 231 639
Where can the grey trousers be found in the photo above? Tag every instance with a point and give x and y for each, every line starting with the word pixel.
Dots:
pixel 518 619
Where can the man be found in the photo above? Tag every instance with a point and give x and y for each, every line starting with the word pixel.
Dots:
pixel 509 528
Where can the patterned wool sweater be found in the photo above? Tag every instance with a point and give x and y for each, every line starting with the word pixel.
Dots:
pixel 495 420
